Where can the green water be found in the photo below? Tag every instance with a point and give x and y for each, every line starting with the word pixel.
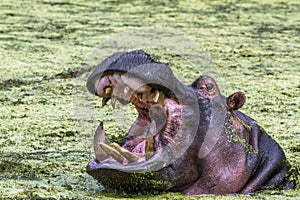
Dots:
pixel 254 45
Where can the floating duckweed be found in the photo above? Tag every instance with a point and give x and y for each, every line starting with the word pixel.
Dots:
pixel 254 45
pixel 234 136
pixel 150 181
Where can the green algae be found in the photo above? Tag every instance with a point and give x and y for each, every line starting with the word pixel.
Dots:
pixel 255 46
pixel 138 183
pixel 235 136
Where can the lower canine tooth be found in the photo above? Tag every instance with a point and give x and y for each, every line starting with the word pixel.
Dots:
pixel 131 157
pixel 99 137
pixel 149 149
pixel 112 152
pixel 152 129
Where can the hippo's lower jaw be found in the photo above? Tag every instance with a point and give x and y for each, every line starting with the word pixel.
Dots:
pixel 148 147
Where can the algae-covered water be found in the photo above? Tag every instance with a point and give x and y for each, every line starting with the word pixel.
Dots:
pixel 47 119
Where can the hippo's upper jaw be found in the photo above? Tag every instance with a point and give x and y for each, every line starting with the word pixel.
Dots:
pixel 158 121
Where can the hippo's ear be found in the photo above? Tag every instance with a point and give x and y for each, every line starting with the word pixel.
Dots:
pixel 236 100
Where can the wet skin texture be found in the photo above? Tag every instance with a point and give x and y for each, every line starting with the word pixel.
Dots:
pixel 209 147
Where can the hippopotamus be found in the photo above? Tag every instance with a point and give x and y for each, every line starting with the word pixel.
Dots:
pixel 186 138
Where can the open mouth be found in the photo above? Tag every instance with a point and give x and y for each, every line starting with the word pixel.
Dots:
pixel 159 119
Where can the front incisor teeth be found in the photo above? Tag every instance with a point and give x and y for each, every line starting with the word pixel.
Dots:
pixel 112 152
pixel 131 157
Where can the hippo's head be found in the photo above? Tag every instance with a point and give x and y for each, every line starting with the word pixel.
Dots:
pixel 186 138
pixel 168 118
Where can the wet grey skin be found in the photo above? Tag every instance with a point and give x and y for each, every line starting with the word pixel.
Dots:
pixel 189 139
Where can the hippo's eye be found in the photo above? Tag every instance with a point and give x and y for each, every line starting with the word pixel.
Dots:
pixel 209 87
